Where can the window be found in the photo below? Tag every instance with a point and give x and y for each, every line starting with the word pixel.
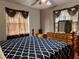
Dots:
pixel 17 24
pixel 64 15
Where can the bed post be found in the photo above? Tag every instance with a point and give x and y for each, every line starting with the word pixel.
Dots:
pixel 78 45
pixel 72 52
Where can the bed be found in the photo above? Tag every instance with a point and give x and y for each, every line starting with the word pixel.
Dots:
pixel 30 47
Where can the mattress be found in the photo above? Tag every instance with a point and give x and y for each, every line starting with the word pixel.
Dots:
pixel 30 47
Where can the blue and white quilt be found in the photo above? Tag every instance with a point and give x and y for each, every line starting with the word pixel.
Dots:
pixel 30 47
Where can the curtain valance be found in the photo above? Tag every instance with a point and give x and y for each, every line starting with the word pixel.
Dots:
pixel 24 14
pixel 12 12
pixel 72 11
pixel 57 13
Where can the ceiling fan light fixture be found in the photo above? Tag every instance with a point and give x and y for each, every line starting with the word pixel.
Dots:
pixel 49 3
pixel 43 1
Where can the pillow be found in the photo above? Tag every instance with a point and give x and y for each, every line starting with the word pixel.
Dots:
pixel 2 54
pixel 40 35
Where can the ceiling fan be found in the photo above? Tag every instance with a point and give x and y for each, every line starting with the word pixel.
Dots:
pixel 41 1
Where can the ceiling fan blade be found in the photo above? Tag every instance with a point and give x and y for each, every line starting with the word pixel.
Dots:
pixel 35 2
pixel 40 2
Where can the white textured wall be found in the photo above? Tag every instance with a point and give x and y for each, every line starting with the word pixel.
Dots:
pixel 47 21
pixel 34 17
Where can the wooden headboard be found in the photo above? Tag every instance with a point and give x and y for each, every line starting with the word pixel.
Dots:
pixel 66 37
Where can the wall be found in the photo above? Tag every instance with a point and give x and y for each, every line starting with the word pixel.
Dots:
pixel 34 17
pixel 47 21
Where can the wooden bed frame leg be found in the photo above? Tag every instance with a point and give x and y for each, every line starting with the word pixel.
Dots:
pixel 73 45
pixel 78 45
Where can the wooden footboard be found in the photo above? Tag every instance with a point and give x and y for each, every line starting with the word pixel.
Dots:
pixel 70 38
pixel 66 37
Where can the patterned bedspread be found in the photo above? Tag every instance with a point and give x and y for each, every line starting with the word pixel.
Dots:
pixel 35 48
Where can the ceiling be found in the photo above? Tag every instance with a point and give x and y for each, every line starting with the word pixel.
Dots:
pixel 37 5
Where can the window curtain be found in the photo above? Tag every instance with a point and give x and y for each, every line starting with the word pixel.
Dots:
pixel 24 14
pixel 23 24
pixel 10 12
pixel 17 22
pixel 73 12
pixel 57 13
pixel 64 15
pixel 67 14
pixel 12 24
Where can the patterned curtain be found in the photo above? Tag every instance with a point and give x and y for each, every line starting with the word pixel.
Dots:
pixel 57 13
pixel 23 24
pixel 72 11
pixel 12 24
pixel 67 14
pixel 24 14
pixel 78 19
pixel 10 12
pixel 17 22
pixel 64 15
